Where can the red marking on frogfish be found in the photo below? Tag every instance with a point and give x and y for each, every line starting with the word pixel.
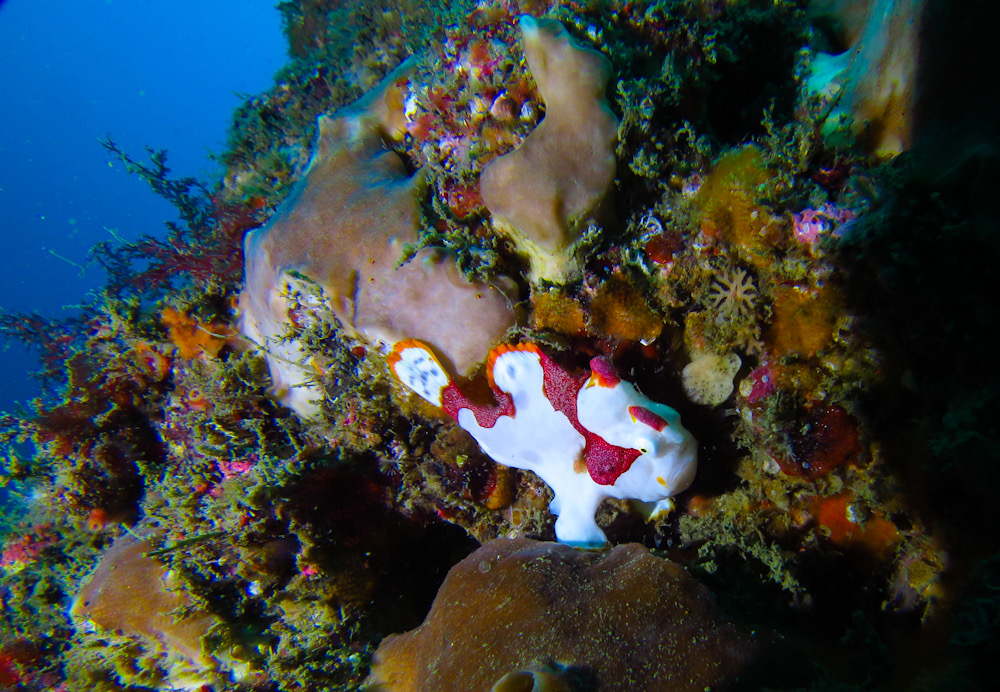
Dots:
pixel 605 461
pixel 603 373
pixel 560 387
pixel 452 399
pixel 641 414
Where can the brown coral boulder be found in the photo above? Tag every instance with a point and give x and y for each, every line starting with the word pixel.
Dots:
pixel 623 619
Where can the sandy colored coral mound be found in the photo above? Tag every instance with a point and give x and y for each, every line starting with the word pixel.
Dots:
pixel 562 171
pixel 631 620
pixel 873 84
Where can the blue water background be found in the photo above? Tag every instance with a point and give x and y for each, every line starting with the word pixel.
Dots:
pixel 162 73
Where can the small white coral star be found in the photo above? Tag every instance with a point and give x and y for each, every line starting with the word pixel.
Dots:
pixel 733 293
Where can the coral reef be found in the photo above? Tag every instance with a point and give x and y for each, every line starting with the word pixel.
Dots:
pixel 748 251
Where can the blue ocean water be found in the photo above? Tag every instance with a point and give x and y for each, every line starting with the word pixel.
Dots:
pixel 167 75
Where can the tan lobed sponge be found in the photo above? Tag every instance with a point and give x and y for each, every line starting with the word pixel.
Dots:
pixel 344 227
pixel 542 191
pixel 872 85
pixel 132 593
pixel 632 620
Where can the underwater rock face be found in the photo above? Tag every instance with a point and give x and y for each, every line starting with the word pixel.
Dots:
pixel 625 619
pixel 345 227
pixel 562 171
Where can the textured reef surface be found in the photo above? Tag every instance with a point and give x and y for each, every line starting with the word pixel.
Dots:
pixel 706 280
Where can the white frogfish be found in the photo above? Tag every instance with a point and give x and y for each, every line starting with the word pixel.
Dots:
pixel 588 437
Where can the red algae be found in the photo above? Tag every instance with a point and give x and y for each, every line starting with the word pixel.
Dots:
pixel 661 247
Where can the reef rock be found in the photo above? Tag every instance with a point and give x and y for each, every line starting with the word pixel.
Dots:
pixel 344 227
pixel 558 177
pixel 616 620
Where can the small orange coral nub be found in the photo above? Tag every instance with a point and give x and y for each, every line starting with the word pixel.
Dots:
pixel 194 399
pixel 97 519
pixel 876 536
pixel 500 489
pixel 193 339
pixel 154 364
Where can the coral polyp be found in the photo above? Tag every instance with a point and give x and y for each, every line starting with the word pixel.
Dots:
pixel 733 293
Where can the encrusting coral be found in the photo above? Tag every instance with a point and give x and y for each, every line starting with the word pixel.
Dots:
pixel 345 227
pixel 561 173
pixel 625 618
pixel 730 207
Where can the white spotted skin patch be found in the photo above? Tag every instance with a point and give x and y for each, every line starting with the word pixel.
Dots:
pixel 514 370
pixel 416 368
